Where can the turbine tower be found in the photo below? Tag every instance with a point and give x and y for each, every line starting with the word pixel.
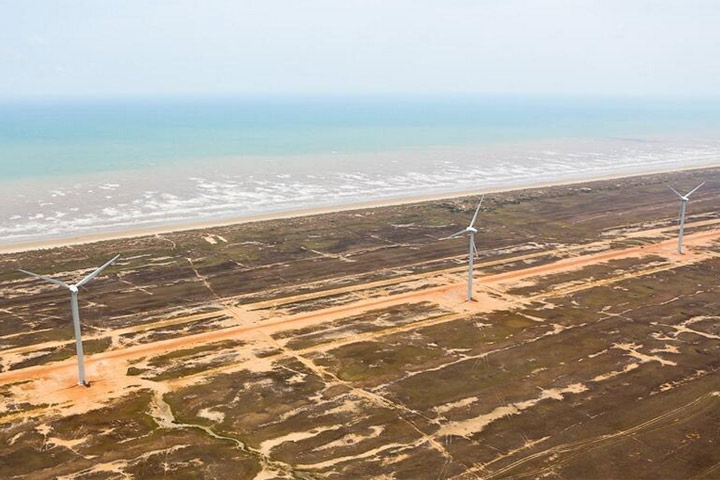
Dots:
pixel 471 231
pixel 76 312
pixel 683 206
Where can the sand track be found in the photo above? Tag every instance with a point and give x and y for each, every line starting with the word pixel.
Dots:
pixel 250 319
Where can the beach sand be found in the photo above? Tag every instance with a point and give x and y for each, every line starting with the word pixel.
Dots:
pixel 50 243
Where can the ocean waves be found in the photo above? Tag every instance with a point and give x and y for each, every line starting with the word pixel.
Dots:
pixel 226 188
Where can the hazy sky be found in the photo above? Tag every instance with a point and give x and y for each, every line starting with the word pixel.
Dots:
pixel 121 47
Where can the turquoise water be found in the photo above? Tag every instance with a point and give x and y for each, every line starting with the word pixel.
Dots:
pixel 78 167
pixel 71 137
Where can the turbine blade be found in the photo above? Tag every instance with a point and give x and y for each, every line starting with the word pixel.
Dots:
pixel 96 272
pixel 43 277
pixel 695 189
pixel 477 254
pixel 675 191
pixel 472 223
pixel 454 234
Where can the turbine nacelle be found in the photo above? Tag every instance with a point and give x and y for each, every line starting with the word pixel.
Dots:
pixel 685 198
pixel 73 288
pixel 470 228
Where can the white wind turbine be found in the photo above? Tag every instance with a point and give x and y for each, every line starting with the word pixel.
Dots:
pixel 76 312
pixel 471 231
pixel 683 206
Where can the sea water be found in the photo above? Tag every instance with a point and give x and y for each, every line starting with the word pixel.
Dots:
pixel 81 166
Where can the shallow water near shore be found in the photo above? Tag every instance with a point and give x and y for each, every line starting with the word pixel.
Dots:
pixel 74 168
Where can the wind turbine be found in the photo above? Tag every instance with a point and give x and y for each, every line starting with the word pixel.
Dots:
pixel 471 231
pixel 683 206
pixel 76 312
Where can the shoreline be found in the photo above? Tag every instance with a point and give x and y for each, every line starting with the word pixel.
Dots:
pixel 47 244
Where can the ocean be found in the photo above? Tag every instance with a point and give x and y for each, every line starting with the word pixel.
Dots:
pixel 77 167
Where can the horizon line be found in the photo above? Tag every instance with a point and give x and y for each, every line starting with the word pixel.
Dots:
pixel 351 95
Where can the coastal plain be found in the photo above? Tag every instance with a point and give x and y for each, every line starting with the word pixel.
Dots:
pixel 341 346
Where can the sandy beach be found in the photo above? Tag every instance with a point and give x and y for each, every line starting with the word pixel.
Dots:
pixel 186 226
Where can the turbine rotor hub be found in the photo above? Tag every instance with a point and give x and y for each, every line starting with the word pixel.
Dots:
pixel 471 229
